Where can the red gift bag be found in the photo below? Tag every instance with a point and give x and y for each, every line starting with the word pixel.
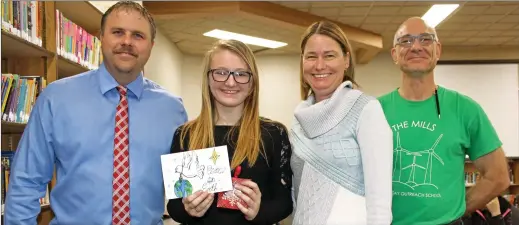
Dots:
pixel 229 199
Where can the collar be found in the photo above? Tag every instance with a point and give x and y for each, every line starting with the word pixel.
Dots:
pixel 107 82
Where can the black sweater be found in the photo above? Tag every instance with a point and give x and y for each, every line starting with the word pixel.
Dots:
pixel 276 200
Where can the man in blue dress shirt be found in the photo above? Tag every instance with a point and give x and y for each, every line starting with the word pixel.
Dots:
pixel 72 128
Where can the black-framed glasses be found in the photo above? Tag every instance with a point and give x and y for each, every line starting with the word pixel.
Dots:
pixel 424 39
pixel 222 75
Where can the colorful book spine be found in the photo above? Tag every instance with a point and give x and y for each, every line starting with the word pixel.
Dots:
pixel 23 19
pixel 19 94
pixel 76 44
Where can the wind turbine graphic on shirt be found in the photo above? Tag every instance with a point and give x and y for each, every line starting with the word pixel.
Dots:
pixel 398 168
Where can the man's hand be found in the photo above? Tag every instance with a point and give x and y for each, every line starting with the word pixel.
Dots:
pixel 493 168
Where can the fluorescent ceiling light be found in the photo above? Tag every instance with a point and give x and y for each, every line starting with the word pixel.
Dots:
pixel 226 35
pixel 437 13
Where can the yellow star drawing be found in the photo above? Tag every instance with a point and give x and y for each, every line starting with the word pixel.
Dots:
pixel 214 156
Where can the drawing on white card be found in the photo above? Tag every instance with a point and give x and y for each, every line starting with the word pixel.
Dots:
pixel 187 172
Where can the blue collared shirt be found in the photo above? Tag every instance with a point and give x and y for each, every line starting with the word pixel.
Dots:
pixel 72 127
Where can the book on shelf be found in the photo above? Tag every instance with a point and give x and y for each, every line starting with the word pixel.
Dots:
pixel 7 158
pixel 76 44
pixel 472 177
pixel 19 94
pixel 24 19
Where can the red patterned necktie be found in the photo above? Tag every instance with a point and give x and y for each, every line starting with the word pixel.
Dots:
pixel 121 173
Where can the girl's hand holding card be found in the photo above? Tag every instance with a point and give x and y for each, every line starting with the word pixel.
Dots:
pixel 198 203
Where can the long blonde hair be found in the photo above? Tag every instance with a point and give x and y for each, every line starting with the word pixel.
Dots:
pixel 200 130
pixel 333 31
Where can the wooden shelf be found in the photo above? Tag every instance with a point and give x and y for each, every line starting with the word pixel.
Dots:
pixel 513 163
pixel 81 13
pixel 67 68
pixel 10 127
pixel 14 46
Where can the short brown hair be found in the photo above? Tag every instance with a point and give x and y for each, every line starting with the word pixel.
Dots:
pixel 333 31
pixel 130 5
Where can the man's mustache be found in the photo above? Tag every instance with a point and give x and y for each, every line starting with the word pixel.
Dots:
pixel 127 50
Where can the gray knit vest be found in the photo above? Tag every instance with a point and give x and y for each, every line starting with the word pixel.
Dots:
pixel 324 135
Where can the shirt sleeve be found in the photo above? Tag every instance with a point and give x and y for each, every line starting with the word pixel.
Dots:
pixel 375 140
pixel 32 166
pixel 280 205
pixel 175 207
pixel 482 134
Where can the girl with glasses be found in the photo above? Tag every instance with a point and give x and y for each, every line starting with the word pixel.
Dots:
pixel 259 148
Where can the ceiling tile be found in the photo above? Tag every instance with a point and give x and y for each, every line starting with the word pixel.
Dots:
pixel 388 3
pixel 512 33
pixel 508 3
pixel 419 3
pixel 500 9
pixel 351 20
pixel 399 19
pixel 451 41
pixel 324 4
pixel 377 28
pixel 413 10
pixel 490 33
pixel 460 18
pixel 478 39
pixel 378 19
pixel 498 40
pixel 182 35
pixel 501 26
pixel 487 18
pixel 217 24
pixel 475 26
pixel 296 5
pixel 466 43
pixel 354 11
pixel 472 10
pixel 479 3
pixel 357 3
pixel 384 10
pixel 465 33
pixel 445 33
pixel 510 19
pixel 450 26
pixel 325 12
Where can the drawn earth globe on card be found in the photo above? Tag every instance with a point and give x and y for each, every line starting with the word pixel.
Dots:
pixel 183 188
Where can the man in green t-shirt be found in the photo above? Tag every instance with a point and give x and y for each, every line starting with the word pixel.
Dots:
pixel 433 129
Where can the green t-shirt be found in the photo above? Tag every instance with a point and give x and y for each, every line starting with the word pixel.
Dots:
pixel 429 154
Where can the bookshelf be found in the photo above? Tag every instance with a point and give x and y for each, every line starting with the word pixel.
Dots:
pixel 42 41
pixel 472 175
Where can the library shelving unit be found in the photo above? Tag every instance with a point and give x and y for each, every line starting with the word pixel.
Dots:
pixel 42 41
pixel 512 193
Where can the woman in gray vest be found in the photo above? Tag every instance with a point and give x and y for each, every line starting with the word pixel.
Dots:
pixel 342 144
